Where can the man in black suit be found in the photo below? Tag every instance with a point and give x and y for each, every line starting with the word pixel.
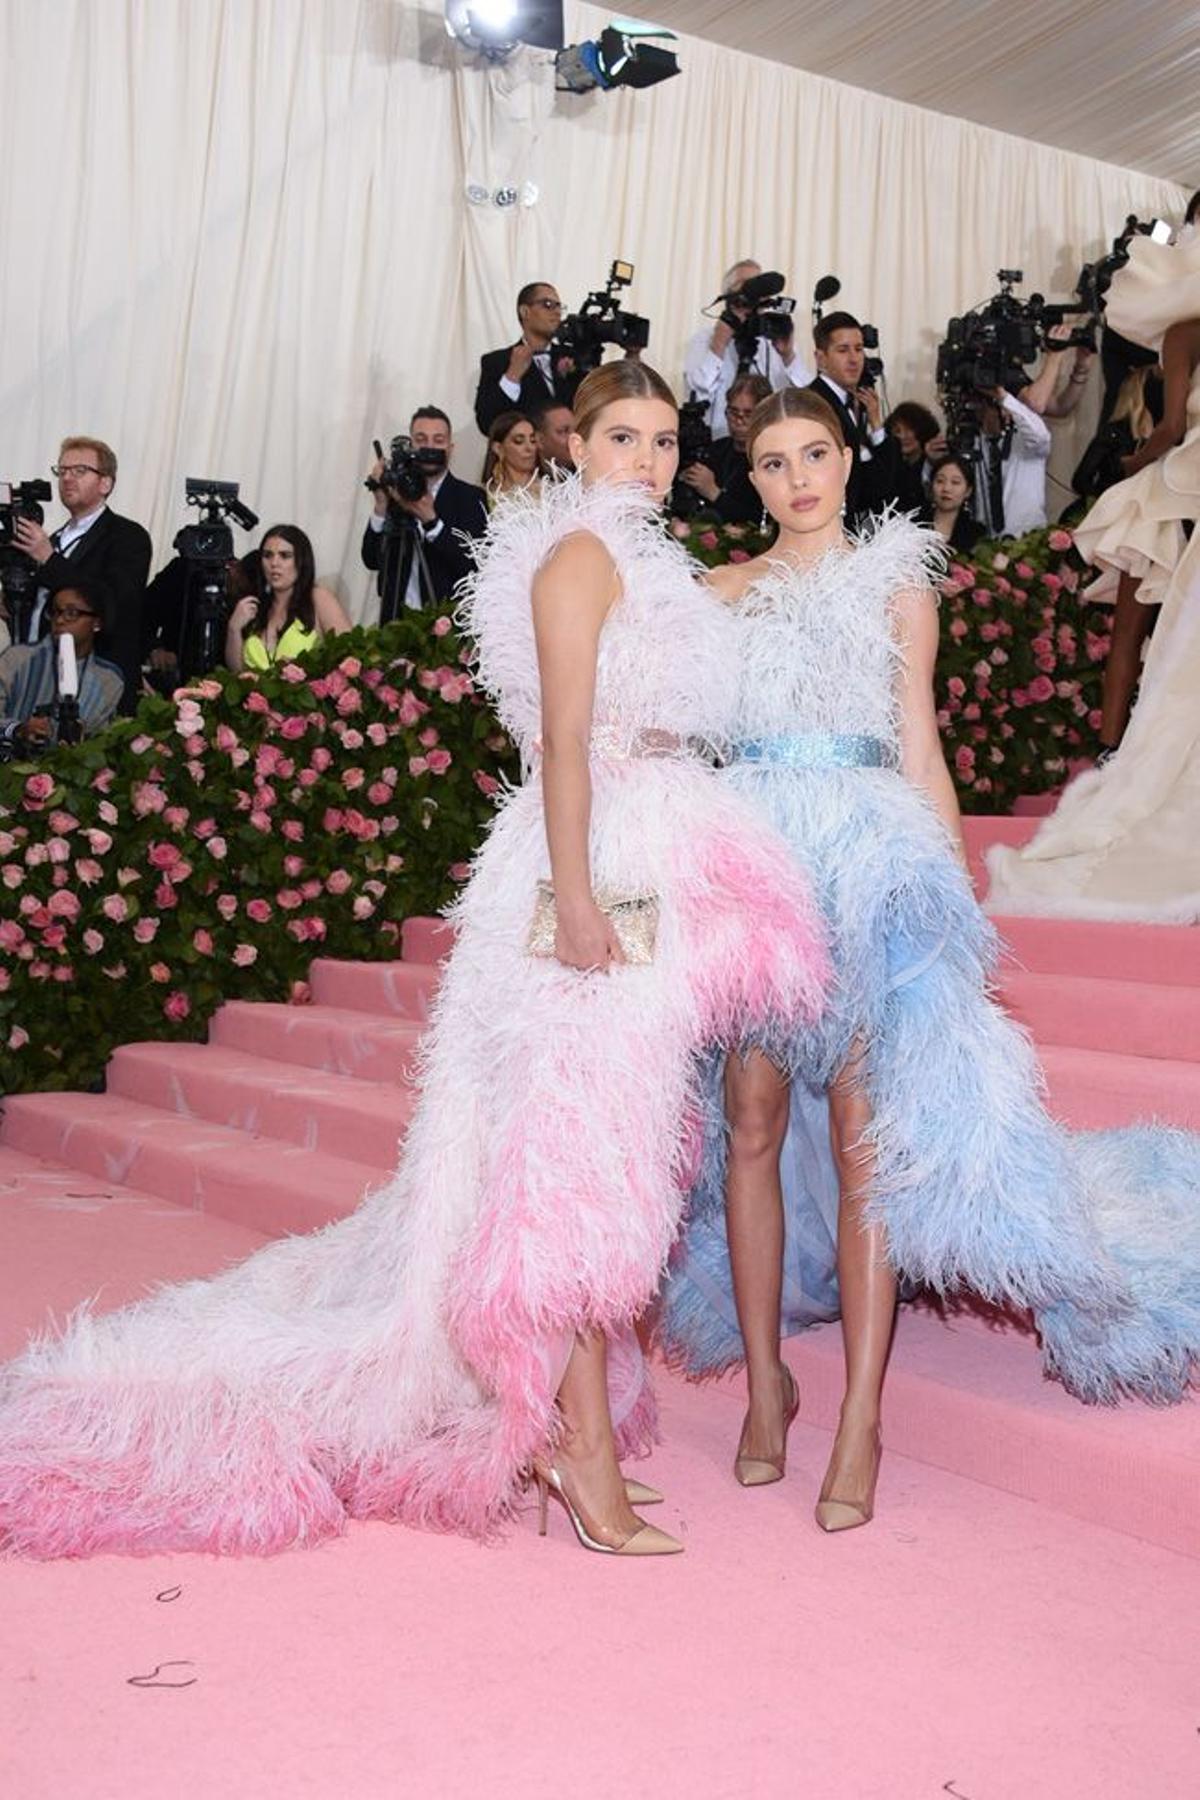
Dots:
pixel 95 544
pixel 526 375
pixel 414 546
pixel 875 476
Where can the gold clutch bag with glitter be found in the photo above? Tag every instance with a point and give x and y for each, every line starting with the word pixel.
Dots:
pixel 634 918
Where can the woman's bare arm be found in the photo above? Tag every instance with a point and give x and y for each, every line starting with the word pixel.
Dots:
pixel 1180 354
pixel 921 758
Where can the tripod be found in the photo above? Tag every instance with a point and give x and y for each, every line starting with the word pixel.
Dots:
pixel 403 548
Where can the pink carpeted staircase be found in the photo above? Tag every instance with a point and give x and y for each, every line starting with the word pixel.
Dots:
pixel 198 1153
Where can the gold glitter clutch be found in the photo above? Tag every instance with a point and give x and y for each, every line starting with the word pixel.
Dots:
pixel 634 917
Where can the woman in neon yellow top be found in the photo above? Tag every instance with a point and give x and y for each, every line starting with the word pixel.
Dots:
pixel 289 615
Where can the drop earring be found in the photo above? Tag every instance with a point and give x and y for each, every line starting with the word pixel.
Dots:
pixel 764 523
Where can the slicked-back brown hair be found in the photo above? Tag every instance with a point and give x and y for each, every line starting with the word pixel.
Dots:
pixel 792 403
pixel 620 380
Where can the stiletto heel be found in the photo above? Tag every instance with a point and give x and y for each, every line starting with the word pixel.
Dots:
pixel 834 1514
pixel 648 1540
pixel 761 1471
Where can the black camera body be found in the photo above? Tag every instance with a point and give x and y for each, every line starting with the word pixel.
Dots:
pixel 22 500
pixel 770 315
pixel 19 572
pixel 695 445
pixel 406 470
pixel 207 547
pixel 600 321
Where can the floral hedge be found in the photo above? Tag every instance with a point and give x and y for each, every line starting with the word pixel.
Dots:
pixel 1019 667
pixel 210 846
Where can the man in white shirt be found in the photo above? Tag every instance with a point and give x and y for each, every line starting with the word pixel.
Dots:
pixel 525 375
pixel 416 546
pixel 96 543
pixel 1014 436
pixel 711 365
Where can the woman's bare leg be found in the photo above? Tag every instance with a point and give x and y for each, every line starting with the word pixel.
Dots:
pixel 1131 622
pixel 586 1454
pixel 756 1105
pixel 868 1296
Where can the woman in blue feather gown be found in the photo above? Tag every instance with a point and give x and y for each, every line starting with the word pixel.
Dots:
pixel 911 1140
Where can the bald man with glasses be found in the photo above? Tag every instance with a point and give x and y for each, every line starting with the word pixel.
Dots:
pixel 528 374
pixel 94 544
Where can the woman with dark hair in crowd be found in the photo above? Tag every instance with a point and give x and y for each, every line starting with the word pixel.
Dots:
pixel 512 463
pixel 470 1325
pixel 948 509
pixel 723 478
pixel 913 1138
pixel 289 614
pixel 914 428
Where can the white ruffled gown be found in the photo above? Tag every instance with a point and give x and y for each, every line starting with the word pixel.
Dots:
pixel 403 1363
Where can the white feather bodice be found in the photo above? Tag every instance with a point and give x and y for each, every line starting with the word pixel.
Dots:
pixel 817 648
pixel 666 659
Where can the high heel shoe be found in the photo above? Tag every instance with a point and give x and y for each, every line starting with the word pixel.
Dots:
pixel 761 1471
pixel 834 1514
pixel 647 1541
pixel 639 1494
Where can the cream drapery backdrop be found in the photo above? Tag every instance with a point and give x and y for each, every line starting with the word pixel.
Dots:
pixel 239 239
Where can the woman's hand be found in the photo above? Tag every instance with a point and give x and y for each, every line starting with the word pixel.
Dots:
pixel 244 612
pixel 700 477
pixel 586 938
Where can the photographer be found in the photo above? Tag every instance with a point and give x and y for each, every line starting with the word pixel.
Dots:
pixel 1048 394
pixel 94 543
pixel 723 480
pixel 1014 447
pixel 29 696
pixel 711 365
pixel 875 475
pixel 415 545
pixel 290 614
pixel 528 373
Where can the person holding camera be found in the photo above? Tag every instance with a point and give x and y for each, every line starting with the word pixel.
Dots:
pixel 875 475
pixel 415 545
pixel 1014 448
pixel 29 689
pixel 713 361
pixel 289 615
pixel 524 375
pixel 94 543
pixel 723 479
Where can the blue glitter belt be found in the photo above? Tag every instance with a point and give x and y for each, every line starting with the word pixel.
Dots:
pixel 817 750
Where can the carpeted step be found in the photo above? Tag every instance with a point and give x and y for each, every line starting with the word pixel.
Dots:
pixel 1091 1090
pixel 1116 952
pixel 974 1400
pixel 272 1187
pixel 1135 1018
pixel 981 831
pixel 70 1237
pixel 426 940
pixel 402 990
pixel 363 1121
pixel 337 1038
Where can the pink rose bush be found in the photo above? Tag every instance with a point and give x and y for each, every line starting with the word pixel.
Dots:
pixel 210 847
pixel 1019 670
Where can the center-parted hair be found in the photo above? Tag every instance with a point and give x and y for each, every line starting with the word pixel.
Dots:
pixel 624 379
pixel 301 605
pixel 792 403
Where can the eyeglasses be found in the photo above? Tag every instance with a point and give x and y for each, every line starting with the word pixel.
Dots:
pixel 69 614
pixel 550 305
pixel 74 469
pixel 740 415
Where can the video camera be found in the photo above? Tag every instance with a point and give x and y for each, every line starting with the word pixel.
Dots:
pixel 769 315
pixel 406 470
pixel 695 443
pixel 18 572
pixel 582 336
pixel 206 548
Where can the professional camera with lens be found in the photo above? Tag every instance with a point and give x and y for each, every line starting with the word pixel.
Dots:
pixel 207 548
pixel 769 316
pixel 984 350
pixel 18 572
pixel 582 336
pixel 695 446
pixel 406 470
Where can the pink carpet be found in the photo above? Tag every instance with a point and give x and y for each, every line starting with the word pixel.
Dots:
pixel 1017 1623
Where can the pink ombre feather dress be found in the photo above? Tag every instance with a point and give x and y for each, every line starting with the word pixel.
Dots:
pixel 403 1363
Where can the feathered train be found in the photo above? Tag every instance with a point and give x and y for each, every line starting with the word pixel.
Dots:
pixel 403 1363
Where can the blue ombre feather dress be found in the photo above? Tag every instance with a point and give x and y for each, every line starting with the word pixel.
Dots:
pixel 1099 1232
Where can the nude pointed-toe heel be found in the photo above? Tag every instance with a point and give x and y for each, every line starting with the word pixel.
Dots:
pixel 761 1471
pixel 648 1540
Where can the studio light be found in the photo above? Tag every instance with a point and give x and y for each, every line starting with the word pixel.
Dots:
pixel 496 27
pixel 622 56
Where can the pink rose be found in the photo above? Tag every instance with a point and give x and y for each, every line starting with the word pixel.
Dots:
pixel 292 673
pixel 216 846
pixel 999 561
pixel 203 941
pixel 62 822
pixel 956 686
pixel 293 727
pixel 308 778
pixel 739 556
pixel 258 910
pixel 1023 571
pixel 108 813
pixel 63 905
pixel 320 759
pixel 260 820
pixel 292 866
pixel 163 856
pixel 461 871
pixel 487 784
pixel 441 626
pixel 999 656
pixel 353 779
pixel 159 972
pixel 289 899
pixel 1060 540
pixel 177 1006
pixel 349 702
pixel 54 937
pixel 115 907
pixel 439 761
pixel 362 907
pixel 1051 583
pixel 1095 719
pixel 292 830
pixel 12 876
pixel 417 765
pixel 244 955
pixel 377 732
pixel 339 881
pixel 379 793
pixel 428 738
pixel 141 744
pixel 351 666
pixel 958 629
pixel 58 850
pixel 148 798
pixel 18 1037
pixel 300 994
pixel 93 941
pixel 145 930
pixel 227 738
pixel 99 842
pixel 1041 688
pixel 964 759
pixel 410 708
pixel 227 905
pixel 104 780
pixel 256 702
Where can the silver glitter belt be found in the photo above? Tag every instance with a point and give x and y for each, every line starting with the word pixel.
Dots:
pixel 817 750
